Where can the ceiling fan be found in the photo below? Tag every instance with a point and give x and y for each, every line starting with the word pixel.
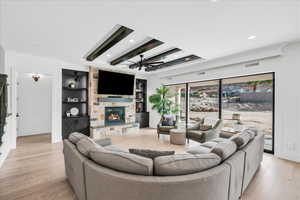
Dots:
pixel 144 63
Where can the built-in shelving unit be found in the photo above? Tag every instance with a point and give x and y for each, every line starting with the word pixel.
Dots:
pixel 74 95
pixel 142 116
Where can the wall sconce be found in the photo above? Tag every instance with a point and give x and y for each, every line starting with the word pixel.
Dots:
pixel 36 77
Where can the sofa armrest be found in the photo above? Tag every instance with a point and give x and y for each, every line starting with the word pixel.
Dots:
pixel 103 141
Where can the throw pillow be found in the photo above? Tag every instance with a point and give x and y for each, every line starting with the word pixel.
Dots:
pixel 212 122
pixel 224 149
pixel 150 153
pixel 167 122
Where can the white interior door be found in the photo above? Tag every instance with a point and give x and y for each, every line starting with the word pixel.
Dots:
pixel 14 124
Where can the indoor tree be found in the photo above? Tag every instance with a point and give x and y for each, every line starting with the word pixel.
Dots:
pixel 162 103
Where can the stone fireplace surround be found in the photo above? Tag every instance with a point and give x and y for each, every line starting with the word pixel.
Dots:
pixel 99 103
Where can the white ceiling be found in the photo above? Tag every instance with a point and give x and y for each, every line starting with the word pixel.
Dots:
pixel 68 29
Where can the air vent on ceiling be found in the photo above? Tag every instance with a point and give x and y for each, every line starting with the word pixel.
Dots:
pixel 201 73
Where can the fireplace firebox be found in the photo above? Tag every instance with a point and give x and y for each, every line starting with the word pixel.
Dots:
pixel 114 116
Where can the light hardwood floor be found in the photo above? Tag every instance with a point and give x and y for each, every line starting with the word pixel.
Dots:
pixel 35 170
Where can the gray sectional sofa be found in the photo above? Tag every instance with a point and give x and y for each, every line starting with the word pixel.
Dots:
pixel 220 169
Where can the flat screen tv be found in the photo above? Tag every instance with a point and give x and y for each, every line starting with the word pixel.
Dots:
pixel 115 83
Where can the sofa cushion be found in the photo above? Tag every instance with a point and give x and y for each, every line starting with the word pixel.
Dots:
pixel 114 148
pixel 224 149
pixel 218 140
pixel 75 137
pixel 122 161
pixel 241 139
pixel 103 141
pixel 151 153
pixel 252 131
pixel 209 144
pixel 181 164
pixel 199 149
pixel 85 145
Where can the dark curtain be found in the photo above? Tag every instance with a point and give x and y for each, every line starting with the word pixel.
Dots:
pixel 3 104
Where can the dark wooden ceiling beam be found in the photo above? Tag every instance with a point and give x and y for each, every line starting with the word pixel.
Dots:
pixel 157 57
pixel 116 37
pixel 178 61
pixel 137 51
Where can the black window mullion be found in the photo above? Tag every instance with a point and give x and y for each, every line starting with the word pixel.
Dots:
pixel 186 104
pixel 220 98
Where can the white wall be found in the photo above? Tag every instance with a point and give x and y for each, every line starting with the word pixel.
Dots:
pixel 287 96
pixel 2 60
pixel 25 63
pixel 34 105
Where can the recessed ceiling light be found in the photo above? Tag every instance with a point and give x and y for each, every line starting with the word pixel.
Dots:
pixel 251 37
pixel 213 0
pixel 108 55
pixel 131 40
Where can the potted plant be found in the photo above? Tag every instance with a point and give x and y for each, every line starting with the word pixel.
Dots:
pixel 162 103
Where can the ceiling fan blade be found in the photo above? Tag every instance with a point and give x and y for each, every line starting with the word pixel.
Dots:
pixel 134 65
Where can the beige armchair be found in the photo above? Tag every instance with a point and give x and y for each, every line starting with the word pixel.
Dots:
pixel 165 130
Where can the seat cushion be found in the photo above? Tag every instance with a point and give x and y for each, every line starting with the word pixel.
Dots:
pixel 122 161
pixel 209 144
pixel 218 140
pixel 166 128
pixel 85 145
pixel 76 136
pixel 199 149
pixel 182 164
pixel 151 153
pixel 224 149
pixel 114 148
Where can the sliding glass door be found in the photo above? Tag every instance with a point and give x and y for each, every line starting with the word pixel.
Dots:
pixel 238 101
pixel 248 101
pixel 203 100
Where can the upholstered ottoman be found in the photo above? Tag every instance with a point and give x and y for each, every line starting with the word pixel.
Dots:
pixel 178 136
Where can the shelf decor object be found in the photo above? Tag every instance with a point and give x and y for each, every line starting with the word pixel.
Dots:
pixel 74 102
